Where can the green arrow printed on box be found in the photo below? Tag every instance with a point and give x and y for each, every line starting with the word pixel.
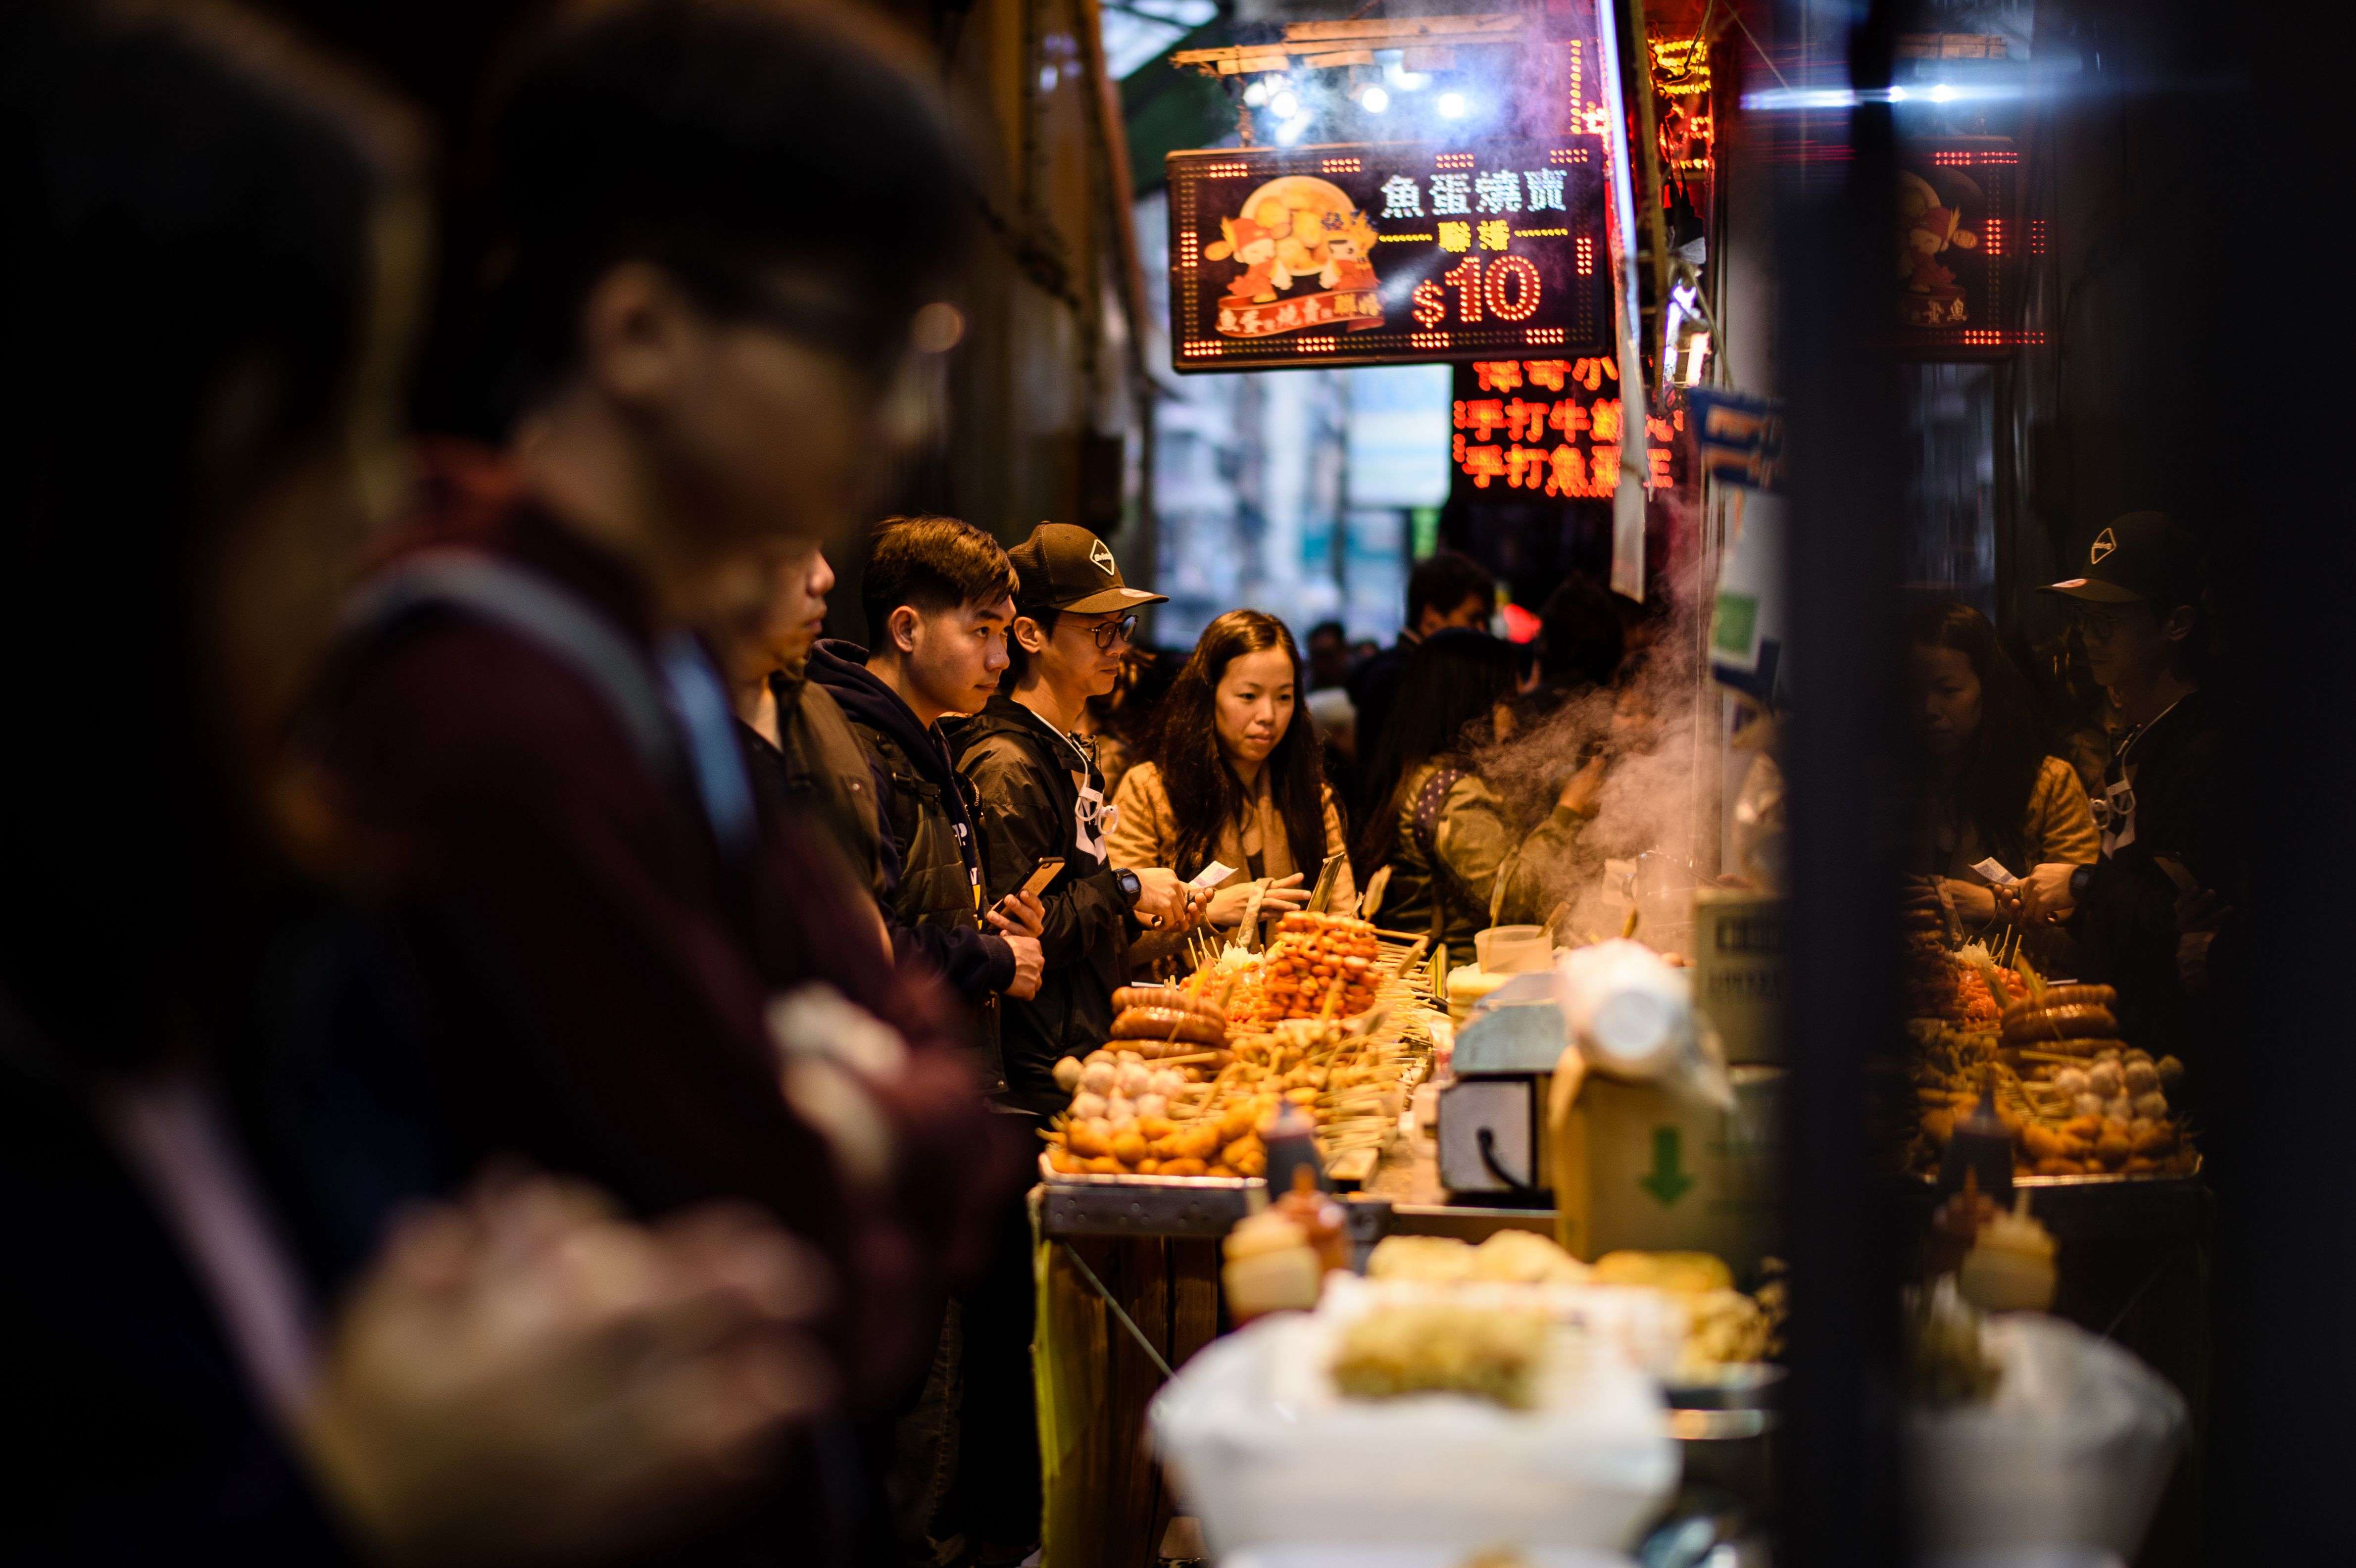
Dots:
pixel 1666 1181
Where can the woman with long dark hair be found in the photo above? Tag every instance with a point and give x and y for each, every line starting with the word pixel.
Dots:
pixel 1233 779
pixel 1991 791
pixel 1447 838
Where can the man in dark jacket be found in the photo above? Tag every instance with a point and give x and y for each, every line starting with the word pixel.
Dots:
pixel 2165 831
pixel 1043 795
pixel 1445 590
pixel 803 755
pixel 938 594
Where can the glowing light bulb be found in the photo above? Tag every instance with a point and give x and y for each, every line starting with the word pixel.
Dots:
pixel 1374 100
pixel 1289 131
pixel 1285 103
pixel 1942 93
pixel 1898 95
pixel 1451 106
pixel 1256 94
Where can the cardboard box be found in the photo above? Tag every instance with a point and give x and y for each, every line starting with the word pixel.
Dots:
pixel 1739 971
pixel 1635 1166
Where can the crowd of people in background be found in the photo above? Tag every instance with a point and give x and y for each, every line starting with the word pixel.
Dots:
pixel 515 1047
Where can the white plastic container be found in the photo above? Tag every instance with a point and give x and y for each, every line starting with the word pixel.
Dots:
pixel 1267 1455
pixel 2073 1451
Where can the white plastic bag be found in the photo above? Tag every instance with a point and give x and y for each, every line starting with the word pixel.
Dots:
pixel 1266 1452
pixel 2073 1449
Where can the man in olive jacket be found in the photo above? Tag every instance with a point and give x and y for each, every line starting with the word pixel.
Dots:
pixel 1042 796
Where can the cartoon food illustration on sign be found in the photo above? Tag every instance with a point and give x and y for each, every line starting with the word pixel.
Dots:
pixel 1293 230
pixel 1930 224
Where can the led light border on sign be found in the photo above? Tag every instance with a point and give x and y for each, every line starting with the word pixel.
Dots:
pixel 1501 246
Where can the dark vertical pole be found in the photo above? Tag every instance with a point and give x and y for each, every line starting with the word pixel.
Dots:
pixel 1834 226
pixel 2284 553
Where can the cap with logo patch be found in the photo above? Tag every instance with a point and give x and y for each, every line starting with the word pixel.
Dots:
pixel 2140 556
pixel 1063 566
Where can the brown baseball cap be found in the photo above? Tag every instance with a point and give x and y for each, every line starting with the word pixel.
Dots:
pixel 2142 555
pixel 1063 566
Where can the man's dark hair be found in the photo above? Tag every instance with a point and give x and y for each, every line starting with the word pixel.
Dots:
pixel 726 140
pixel 1582 639
pixel 1332 629
pixel 1453 684
pixel 930 563
pixel 1443 581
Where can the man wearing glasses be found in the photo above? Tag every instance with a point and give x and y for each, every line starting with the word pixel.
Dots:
pixel 2145 914
pixel 1042 796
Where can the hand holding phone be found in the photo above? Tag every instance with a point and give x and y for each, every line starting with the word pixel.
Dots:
pixel 1043 873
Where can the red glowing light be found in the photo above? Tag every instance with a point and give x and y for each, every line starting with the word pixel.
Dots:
pixel 1452 160
pixel 1464 277
pixel 1429 305
pixel 1526 289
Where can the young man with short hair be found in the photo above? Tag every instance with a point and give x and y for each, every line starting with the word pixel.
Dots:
pixel 938 594
pixel 1445 590
pixel 1042 796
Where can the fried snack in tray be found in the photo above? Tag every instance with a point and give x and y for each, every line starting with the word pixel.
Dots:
pixel 1205 1117
pixel 1321 966
pixel 1485 1352
pixel 2077 1101
pixel 1514 1257
pixel 1723 1326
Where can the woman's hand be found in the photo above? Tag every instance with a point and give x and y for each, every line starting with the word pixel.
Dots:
pixel 1580 794
pixel 1284 894
pixel 1975 902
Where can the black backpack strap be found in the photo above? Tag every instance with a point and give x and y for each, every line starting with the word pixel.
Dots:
pixel 471 583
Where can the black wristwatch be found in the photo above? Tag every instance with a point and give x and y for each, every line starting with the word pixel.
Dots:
pixel 1131 886
pixel 2081 882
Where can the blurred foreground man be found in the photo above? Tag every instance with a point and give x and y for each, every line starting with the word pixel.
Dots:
pixel 207 1360
pixel 624 976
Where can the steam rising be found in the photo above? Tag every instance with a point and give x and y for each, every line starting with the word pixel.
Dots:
pixel 1660 793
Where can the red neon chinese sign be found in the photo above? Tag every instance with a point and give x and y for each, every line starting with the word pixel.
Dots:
pixel 1554 427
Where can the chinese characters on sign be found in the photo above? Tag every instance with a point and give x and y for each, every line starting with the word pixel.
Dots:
pixel 1386 254
pixel 1552 427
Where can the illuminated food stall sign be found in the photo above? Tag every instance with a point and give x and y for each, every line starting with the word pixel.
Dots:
pixel 1550 427
pixel 1388 253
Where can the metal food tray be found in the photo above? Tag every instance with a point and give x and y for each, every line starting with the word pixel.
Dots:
pixel 1048 1172
pixel 1088 1205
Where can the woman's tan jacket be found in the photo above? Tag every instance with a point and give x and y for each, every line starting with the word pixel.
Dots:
pixel 1147 833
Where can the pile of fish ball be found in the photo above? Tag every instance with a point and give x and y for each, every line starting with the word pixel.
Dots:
pixel 1117 1086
